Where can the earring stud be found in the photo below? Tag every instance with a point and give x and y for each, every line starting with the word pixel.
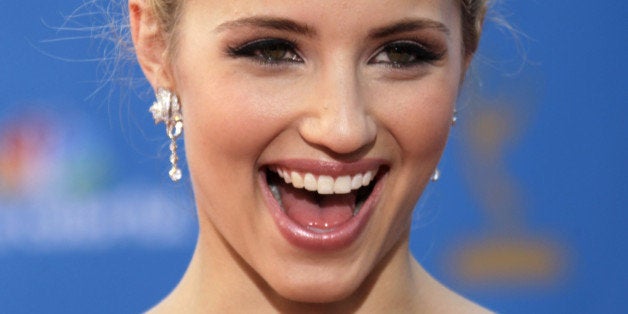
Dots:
pixel 167 109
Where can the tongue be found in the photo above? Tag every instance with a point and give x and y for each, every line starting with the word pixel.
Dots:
pixel 314 211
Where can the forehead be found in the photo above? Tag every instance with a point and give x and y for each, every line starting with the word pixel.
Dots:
pixel 348 17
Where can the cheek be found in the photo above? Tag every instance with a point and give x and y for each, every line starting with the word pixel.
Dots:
pixel 230 118
pixel 418 115
pixel 228 123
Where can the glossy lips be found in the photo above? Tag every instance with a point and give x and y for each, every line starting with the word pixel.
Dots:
pixel 320 205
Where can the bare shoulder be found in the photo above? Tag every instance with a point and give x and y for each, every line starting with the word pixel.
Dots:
pixel 437 298
pixel 455 303
pixel 160 308
pixel 168 306
pixel 443 300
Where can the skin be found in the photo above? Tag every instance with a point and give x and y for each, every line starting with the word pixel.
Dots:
pixel 337 106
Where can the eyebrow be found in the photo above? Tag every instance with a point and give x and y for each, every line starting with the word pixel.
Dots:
pixel 408 25
pixel 275 23
pixel 283 24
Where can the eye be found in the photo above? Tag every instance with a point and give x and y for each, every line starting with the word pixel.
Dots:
pixel 402 54
pixel 268 51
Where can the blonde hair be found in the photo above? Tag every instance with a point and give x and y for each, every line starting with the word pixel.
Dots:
pixel 167 13
pixel 473 13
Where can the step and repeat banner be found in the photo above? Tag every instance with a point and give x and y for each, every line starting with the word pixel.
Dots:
pixel 529 215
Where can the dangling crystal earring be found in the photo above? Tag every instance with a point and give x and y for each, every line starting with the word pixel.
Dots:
pixel 168 110
pixel 436 175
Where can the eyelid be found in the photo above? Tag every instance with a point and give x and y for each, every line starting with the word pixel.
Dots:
pixel 260 41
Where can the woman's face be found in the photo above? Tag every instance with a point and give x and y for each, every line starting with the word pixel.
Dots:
pixel 283 97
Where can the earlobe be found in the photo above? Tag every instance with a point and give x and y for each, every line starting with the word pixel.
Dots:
pixel 150 44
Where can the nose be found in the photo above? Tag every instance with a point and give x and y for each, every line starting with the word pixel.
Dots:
pixel 338 117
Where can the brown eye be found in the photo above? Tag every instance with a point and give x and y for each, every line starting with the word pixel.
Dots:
pixel 400 55
pixel 403 54
pixel 268 51
pixel 272 53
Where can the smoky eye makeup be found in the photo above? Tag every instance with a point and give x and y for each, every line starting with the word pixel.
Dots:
pixel 399 54
pixel 406 53
pixel 267 51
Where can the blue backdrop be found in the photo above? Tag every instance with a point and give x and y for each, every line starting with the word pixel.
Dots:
pixel 529 216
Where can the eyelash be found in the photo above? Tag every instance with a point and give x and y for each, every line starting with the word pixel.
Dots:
pixel 417 52
pixel 255 50
pixel 260 51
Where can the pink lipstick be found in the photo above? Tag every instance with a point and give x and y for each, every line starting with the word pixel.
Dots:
pixel 319 205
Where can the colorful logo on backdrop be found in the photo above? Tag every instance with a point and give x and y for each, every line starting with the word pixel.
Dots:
pixel 60 188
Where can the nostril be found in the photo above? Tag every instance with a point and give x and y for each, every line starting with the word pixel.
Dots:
pixel 340 132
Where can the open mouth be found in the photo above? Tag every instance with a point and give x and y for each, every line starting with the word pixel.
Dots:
pixel 321 203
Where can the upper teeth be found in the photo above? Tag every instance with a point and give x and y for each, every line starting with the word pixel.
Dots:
pixel 325 184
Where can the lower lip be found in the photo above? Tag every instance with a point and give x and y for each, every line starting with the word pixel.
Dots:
pixel 335 239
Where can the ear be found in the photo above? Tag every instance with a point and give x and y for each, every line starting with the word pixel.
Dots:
pixel 467 59
pixel 150 44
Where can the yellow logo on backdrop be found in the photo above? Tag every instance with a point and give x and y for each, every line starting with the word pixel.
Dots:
pixel 508 253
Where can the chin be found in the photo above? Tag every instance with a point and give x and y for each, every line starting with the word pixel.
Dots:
pixel 307 290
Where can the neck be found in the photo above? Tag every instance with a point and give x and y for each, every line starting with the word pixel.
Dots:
pixel 217 279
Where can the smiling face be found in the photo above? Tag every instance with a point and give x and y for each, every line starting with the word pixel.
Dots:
pixel 311 129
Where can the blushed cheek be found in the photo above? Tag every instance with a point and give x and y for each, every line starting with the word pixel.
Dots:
pixel 233 121
pixel 213 133
pixel 419 119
